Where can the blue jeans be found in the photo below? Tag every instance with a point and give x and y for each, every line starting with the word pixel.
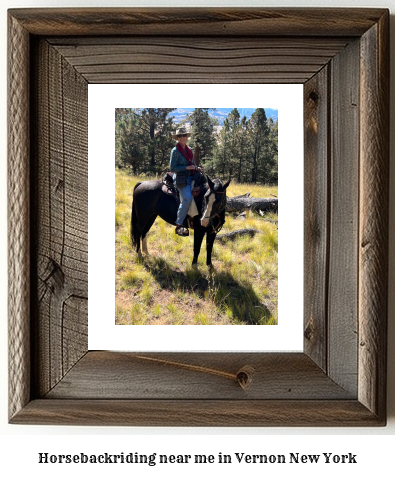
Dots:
pixel 186 199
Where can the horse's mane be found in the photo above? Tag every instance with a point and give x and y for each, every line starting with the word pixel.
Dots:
pixel 217 185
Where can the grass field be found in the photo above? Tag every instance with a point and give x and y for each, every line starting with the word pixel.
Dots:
pixel 163 288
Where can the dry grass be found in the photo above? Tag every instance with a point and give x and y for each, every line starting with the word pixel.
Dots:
pixel 163 288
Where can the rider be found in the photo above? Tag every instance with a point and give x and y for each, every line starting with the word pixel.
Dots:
pixel 181 161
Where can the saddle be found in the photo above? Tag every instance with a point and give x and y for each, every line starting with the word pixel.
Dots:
pixel 169 188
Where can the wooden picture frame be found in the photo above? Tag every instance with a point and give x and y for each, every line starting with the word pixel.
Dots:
pixel 342 58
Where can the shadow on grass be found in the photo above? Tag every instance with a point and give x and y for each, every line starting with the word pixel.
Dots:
pixel 228 294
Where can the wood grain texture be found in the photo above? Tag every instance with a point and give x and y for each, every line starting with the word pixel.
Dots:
pixel 343 253
pixel 199 21
pixel 316 214
pixel 373 232
pixel 196 376
pixel 280 390
pixel 201 413
pixel 61 227
pixel 159 60
pixel 18 218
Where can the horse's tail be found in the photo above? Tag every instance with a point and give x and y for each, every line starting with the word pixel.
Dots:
pixel 134 232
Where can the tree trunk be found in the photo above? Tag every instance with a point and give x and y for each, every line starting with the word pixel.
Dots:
pixel 196 155
pixel 152 136
pixel 253 178
pixel 240 204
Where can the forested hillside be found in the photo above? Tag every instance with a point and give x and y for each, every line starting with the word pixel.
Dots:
pixel 242 149
pixel 221 113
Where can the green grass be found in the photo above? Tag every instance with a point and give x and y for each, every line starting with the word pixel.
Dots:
pixel 163 288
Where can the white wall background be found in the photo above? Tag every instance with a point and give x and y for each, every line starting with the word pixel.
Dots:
pixel 21 444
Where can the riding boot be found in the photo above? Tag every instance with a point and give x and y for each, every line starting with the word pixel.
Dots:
pixel 182 231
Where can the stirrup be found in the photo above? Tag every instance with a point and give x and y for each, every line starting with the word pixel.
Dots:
pixel 182 231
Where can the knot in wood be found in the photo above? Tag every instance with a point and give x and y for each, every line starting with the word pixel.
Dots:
pixel 54 276
pixel 244 376
pixel 309 332
pixel 313 96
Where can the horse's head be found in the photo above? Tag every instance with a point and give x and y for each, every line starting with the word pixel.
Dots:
pixel 214 201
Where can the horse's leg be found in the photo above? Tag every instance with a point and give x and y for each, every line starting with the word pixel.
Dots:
pixel 210 238
pixel 146 228
pixel 144 246
pixel 197 241
pixel 135 234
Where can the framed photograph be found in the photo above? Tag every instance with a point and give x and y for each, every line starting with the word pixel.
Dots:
pixel 250 274
pixel 341 59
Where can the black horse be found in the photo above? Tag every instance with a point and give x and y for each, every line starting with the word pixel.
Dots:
pixel 149 202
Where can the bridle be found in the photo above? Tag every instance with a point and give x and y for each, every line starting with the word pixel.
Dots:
pixel 217 212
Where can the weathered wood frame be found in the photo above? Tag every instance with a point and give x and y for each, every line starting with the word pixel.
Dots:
pixel 342 57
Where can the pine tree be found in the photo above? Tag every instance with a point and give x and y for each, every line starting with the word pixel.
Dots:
pixel 203 134
pixel 259 139
pixel 143 138
pixel 242 148
pixel 234 127
pixel 155 120
pixel 221 152
pixel 129 152
pixel 164 143
pixel 273 150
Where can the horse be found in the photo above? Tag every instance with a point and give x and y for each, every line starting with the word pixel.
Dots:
pixel 149 202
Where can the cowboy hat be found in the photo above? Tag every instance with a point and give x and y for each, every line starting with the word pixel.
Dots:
pixel 181 130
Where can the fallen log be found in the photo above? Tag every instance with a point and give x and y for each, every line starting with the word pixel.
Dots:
pixel 246 195
pixel 240 204
pixel 234 234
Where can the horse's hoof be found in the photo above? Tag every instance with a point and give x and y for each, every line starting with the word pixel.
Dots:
pixel 194 266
